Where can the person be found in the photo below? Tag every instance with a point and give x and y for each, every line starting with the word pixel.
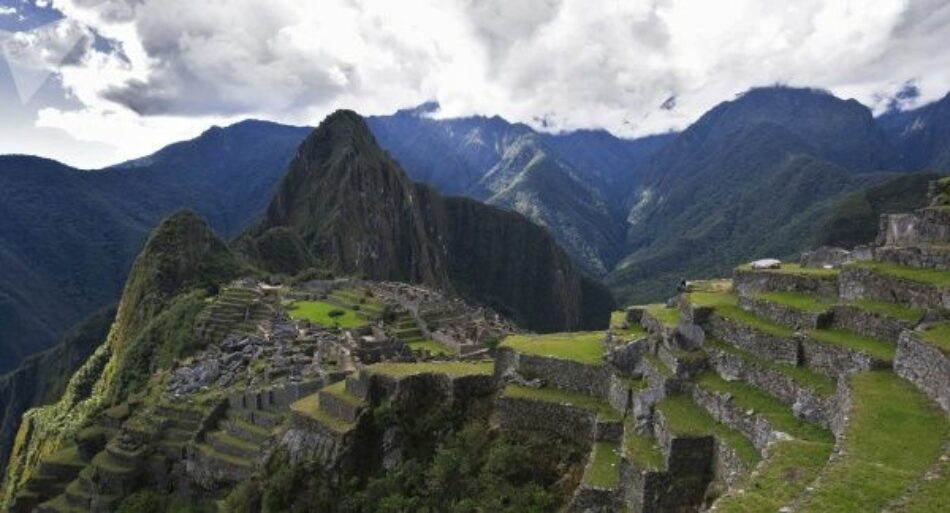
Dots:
pixel 682 287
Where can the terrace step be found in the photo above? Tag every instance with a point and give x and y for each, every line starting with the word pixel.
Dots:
pixel 762 337
pixel 46 486
pixel 582 417
pixel 910 286
pixel 894 434
pixel 809 395
pixel 261 418
pixel 309 408
pixel 932 256
pixel 876 319
pixel 600 484
pixel 836 352
pixel 59 504
pixel 237 468
pixel 682 363
pixel 791 309
pixel 788 278
pixel 125 457
pixel 246 431
pixel 660 320
pixel 760 417
pixel 335 400
pixel 231 445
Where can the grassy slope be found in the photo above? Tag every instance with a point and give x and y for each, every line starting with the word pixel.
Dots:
pixel 587 348
pixel 318 312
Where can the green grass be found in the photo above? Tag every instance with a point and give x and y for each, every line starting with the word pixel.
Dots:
pixel 807 378
pixel 618 325
pixel 893 435
pixel 582 347
pixel 68 456
pixel 938 335
pixel 452 369
pixel 778 415
pixel 432 347
pixel 669 317
pixel 318 312
pixel 686 419
pixel 797 301
pixel 734 313
pixel 310 407
pixel 876 348
pixel 603 471
pixel 791 466
pixel 556 395
pixel 930 495
pixel 795 269
pixel 618 319
pixel 934 277
pixel 642 450
pixel 712 299
pixel 895 310
pixel 338 390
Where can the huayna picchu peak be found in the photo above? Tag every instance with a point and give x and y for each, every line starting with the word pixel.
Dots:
pixel 474 257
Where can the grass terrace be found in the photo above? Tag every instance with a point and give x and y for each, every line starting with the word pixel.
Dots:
pixel 603 471
pixel 895 310
pixel 795 269
pixel 714 285
pixel 310 407
pixel 582 347
pixel 797 301
pixel 877 348
pixel 930 495
pixel 667 316
pixel 642 451
pixel 938 335
pixel 926 276
pixel 734 313
pixel 686 418
pixel 801 375
pixel 778 415
pixel 618 320
pixel 327 314
pixel 791 466
pixel 712 299
pixel 433 347
pixel 338 390
pixel 556 395
pixel 452 369
pixel 893 436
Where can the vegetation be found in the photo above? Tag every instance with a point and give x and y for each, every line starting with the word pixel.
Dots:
pixel 585 347
pixel 686 418
pixel 807 378
pixel 669 317
pixel 433 347
pixel 938 335
pixel 556 395
pixel 452 369
pixel 642 451
pixel 935 277
pixel 151 501
pixel 803 302
pixel 877 348
pixel 603 471
pixel 310 406
pixel 791 466
pixel 734 313
pixel 326 314
pixel 894 434
pixel 895 310
pixel 796 269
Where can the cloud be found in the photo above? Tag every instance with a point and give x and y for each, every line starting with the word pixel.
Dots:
pixel 632 67
pixel 7 10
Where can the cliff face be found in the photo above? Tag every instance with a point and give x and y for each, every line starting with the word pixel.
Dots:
pixel 355 209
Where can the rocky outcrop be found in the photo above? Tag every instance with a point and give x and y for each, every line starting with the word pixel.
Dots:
pixel 355 209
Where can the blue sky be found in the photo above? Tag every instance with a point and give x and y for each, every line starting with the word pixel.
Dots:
pixel 94 82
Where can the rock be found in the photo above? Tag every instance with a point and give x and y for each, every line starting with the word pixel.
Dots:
pixel 766 263
pixel 826 257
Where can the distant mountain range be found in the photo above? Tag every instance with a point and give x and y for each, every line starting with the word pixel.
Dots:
pixel 755 176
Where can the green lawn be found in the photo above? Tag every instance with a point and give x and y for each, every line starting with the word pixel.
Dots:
pixel 930 495
pixel 452 369
pixel 797 301
pixel 432 346
pixel 894 310
pixel 796 269
pixel 791 466
pixel 921 275
pixel 712 299
pixel 807 378
pixel 893 435
pixel 556 395
pixel 938 335
pixel 642 450
pixel 318 312
pixel 753 399
pixel 669 317
pixel 687 419
pixel 582 347
pixel 877 348
pixel 604 471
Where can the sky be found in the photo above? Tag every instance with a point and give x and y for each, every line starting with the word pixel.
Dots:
pixel 96 82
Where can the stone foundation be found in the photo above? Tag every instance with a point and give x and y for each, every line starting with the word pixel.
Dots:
pixel 569 422
pixel 750 282
pixel 861 283
pixel 770 347
pixel 869 324
pixel 785 315
pixel 925 366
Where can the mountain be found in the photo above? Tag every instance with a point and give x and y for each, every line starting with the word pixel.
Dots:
pixel 570 183
pixel 353 207
pixel 746 180
pixel 68 237
pixel 182 261
pixel 921 135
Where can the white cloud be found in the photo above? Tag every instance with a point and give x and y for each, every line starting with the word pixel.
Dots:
pixel 7 10
pixel 563 64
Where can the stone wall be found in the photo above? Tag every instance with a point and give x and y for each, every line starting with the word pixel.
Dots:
pixel 568 422
pixel 592 380
pixel 724 409
pixel 898 230
pixel 925 366
pixel 916 256
pixel 833 361
pixel 771 347
pixel 626 357
pixel 689 463
pixel 750 282
pixel 804 402
pixel 860 283
pixel 785 315
pixel 869 324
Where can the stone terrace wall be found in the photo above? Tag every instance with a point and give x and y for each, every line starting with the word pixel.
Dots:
pixel 925 366
pixel 749 282
pixel 771 347
pixel 858 283
pixel 869 324
pixel 569 422
pixel 564 374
